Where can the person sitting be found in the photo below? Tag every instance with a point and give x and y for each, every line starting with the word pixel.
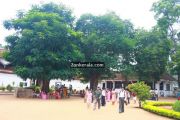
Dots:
pixel 68 93
pixel 57 95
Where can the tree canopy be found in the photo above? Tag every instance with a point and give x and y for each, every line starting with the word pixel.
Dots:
pixel 167 14
pixel 151 54
pixel 103 40
pixel 43 45
pixel 48 38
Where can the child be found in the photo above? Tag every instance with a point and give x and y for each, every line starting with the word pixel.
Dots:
pixel 89 98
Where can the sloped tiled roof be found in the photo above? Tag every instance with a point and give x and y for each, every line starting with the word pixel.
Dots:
pixel 167 76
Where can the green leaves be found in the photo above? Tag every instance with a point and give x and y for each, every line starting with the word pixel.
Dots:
pixel 151 54
pixel 44 44
pixel 104 38
pixel 141 89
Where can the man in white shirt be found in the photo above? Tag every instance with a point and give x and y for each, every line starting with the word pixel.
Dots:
pixel 121 100
pixel 156 94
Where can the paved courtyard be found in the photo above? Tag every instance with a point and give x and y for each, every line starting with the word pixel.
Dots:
pixel 12 108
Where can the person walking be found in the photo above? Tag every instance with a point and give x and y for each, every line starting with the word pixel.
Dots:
pixel 128 96
pixel 134 97
pixel 85 95
pixel 70 89
pixel 108 95
pixel 97 98
pixel 113 96
pixel 89 98
pixel 156 95
pixel 103 97
pixel 121 100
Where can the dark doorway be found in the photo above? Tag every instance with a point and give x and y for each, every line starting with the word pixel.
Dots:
pixel 109 84
pixel 118 84
pixel 103 85
pixel 161 86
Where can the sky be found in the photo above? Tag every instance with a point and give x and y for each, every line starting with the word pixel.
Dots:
pixel 137 11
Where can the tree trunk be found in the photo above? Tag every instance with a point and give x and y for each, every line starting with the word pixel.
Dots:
pixel 94 82
pixel 45 86
pixel 34 82
pixel 178 79
pixel 139 104
pixel 126 81
pixel 38 83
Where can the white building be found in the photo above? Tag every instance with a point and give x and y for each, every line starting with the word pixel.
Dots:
pixel 117 82
pixel 11 79
pixel 165 87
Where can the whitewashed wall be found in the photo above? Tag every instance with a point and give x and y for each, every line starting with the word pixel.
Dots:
pixel 6 79
pixel 173 84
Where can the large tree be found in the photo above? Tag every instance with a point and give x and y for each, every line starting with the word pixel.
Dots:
pixel 44 44
pixel 167 14
pixel 175 64
pixel 151 54
pixel 103 40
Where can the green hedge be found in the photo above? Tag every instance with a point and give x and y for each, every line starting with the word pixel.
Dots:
pixel 152 107
pixel 2 88
pixel 155 103
pixel 176 106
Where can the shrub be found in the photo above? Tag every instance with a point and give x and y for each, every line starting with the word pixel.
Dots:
pixel 142 91
pixel 151 106
pixel 2 88
pixel 9 88
pixel 37 89
pixel 176 106
pixel 51 89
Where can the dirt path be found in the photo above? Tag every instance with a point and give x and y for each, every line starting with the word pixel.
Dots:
pixel 69 109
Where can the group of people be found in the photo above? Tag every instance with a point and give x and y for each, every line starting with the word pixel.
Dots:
pixel 100 97
pixel 59 93
pixel 63 91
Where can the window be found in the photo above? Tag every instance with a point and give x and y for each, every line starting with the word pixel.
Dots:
pixel 161 86
pixel 168 87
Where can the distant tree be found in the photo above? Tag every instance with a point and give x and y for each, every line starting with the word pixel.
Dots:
pixel 43 45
